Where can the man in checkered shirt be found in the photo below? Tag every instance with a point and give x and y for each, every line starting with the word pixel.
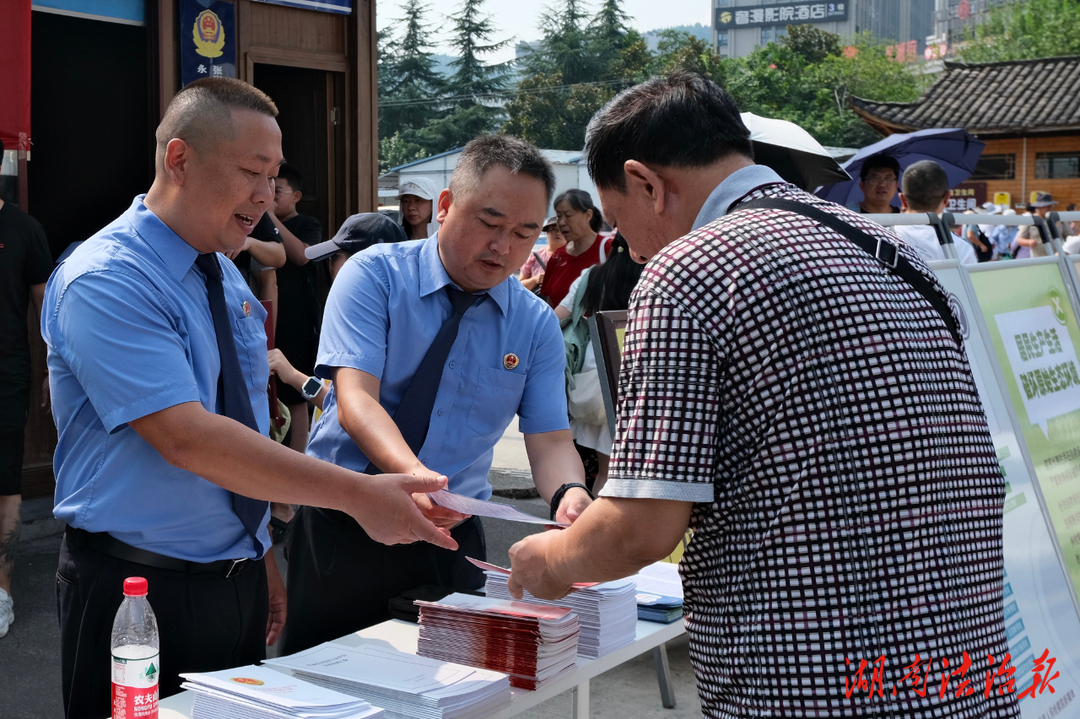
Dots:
pixel 809 415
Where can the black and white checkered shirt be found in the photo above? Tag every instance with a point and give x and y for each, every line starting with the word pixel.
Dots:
pixel 848 501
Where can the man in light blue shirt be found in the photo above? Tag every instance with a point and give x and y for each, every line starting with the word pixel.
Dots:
pixel 147 352
pixel 385 310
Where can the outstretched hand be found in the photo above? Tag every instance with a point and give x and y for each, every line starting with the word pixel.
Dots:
pixel 390 515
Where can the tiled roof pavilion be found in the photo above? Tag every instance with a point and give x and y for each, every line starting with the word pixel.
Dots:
pixel 1017 97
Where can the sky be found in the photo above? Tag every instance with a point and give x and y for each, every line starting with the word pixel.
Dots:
pixel 520 20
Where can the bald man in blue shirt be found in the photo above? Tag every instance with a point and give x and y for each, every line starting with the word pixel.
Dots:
pixel 386 312
pixel 158 369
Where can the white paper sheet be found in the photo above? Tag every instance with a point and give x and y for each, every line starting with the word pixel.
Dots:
pixel 480 508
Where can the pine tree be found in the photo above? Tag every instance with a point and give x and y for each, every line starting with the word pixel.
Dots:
pixel 566 48
pixel 472 34
pixel 410 97
pixel 611 25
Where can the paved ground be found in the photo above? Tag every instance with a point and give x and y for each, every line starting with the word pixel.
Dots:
pixel 29 655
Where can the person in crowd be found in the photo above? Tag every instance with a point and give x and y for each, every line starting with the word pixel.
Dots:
pixel 25 265
pixel 1020 250
pixel 158 371
pixel 580 222
pixel 1072 227
pixel 259 259
pixel 532 272
pixel 986 230
pixel 746 412
pixel 879 179
pixel 311 388
pixel 356 234
pixel 261 250
pixel 296 330
pixel 1071 233
pixel 1001 237
pixel 601 287
pixel 416 201
pixel 926 189
pixel 974 235
pixel 433 347
pixel 1028 236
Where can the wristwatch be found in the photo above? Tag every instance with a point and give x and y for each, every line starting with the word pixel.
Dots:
pixel 557 497
pixel 311 388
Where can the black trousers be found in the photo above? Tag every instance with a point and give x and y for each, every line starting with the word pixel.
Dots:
pixel 205 623
pixel 340 580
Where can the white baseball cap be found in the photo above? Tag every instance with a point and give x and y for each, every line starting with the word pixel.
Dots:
pixel 422 187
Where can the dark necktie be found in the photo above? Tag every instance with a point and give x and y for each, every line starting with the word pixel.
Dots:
pixel 413 415
pixel 232 387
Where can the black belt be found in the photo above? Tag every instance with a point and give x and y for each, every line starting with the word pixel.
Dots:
pixel 113 547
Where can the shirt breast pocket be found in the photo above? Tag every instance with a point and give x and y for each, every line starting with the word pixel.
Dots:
pixel 495 401
pixel 251 351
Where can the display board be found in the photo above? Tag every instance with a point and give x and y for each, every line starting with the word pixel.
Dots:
pixel 1039 610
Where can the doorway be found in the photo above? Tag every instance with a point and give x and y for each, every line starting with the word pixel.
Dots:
pixel 312 128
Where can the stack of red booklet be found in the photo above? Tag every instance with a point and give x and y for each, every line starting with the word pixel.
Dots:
pixel 533 644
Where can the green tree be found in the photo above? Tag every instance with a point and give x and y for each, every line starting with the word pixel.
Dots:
pixel 810 43
pixel 779 81
pixel 609 32
pixel 1025 31
pixel 566 48
pixel 550 115
pixel 472 40
pixel 409 97
pixel 680 50
pixel 396 150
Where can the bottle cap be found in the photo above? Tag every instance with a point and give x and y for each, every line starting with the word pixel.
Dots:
pixel 135 587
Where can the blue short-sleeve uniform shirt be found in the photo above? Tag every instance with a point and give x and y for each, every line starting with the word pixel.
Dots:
pixel 129 332
pixel 384 310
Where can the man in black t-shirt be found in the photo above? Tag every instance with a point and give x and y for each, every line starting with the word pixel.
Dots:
pixel 300 311
pixel 25 265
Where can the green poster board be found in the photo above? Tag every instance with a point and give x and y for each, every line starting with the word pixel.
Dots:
pixel 1036 339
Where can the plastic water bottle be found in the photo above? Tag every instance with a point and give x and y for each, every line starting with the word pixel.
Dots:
pixel 135 661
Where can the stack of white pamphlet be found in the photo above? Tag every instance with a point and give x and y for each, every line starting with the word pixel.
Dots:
pixel 405 685
pixel 608 612
pixel 263 693
pixel 534 644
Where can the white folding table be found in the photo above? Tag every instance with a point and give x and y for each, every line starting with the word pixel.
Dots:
pixel 403 637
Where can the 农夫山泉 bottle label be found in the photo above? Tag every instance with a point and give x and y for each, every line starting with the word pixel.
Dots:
pixel 135 687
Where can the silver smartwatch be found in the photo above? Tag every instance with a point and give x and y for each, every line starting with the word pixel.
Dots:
pixel 311 388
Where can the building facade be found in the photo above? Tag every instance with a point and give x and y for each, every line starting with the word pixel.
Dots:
pixel 739 26
pixel 1026 111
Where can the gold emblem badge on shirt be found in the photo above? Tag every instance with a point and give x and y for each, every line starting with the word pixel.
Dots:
pixel 510 361
pixel 247 308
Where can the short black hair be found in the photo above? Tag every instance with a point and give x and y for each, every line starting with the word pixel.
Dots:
pixel 682 120
pixel 291 174
pixel 925 185
pixel 487 151
pixel 581 201
pixel 879 162
pixel 201 113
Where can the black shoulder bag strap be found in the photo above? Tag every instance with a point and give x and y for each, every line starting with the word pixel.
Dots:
pixel 882 250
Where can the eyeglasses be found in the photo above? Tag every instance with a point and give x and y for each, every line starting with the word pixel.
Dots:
pixel 278 192
pixel 879 179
